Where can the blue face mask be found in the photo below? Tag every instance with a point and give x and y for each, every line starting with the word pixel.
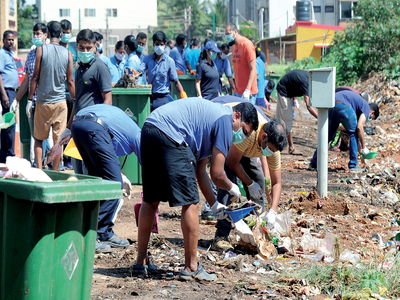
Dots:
pixel 238 136
pixel 65 37
pixel 38 41
pixel 85 57
pixel 229 38
pixel 140 49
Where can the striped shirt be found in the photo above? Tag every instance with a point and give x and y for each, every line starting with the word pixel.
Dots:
pixel 29 68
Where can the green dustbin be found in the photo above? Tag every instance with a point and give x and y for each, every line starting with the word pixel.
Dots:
pixel 24 129
pixel 275 78
pixel 138 101
pixel 48 235
pixel 189 86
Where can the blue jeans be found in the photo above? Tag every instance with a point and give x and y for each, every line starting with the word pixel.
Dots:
pixel 252 98
pixel 347 116
pixel 7 135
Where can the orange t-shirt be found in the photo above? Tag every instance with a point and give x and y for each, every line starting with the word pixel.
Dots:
pixel 242 54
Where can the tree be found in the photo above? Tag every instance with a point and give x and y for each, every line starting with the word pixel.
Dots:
pixel 25 24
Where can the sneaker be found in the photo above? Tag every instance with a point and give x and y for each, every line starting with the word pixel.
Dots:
pixel 221 244
pixel 101 247
pixel 357 170
pixel 312 167
pixel 206 215
pixel 116 242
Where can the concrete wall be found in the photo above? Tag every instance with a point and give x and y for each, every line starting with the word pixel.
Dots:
pixel 8 20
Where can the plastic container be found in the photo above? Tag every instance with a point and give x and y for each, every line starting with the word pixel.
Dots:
pixel 138 102
pixel 189 86
pixel 7 120
pixel 237 215
pixel 48 235
pixel 370 155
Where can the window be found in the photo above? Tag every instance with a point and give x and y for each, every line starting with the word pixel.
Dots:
pixel 329 9
pixel 317 9
pixel 112 40
pixel 346 9
pixel 112 12
pixel 65 12
pixel 90 12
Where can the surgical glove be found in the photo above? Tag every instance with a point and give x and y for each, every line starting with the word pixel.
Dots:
pixel 66 133
pixel 183 95
pixel 365 151
pixel 246 94
pixel 192 72
pixel 235 192
pixel 218 209
pixel 255 190
pixel 29 108
pixel 271 217
pixel 127 187
pixel 14 105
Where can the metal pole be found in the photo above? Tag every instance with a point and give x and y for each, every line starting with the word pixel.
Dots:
pixel 280 47
pixel 261 24
pixel 322 164
pixel 237 19
pixel 79 19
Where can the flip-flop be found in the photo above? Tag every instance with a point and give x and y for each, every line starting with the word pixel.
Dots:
pixel 294 152
pixel 139 271
pixel 200 274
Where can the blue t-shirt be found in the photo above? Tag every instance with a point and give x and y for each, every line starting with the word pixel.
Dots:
pixel 8 69
pixel 223 66
pixel 142 79
pixel 133 62
pixel 113 69
pixel 160 73
pixel 180 58
pixel 120 67
pixel 193 57
pixel 126 133
pixel 209 79
pixel 260 67
pixel 358 103
pixel 200 124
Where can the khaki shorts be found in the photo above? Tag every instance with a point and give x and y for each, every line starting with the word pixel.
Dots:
pixel 284 111
pixel 50 115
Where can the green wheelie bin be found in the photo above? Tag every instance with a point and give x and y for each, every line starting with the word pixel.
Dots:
pixel 138 102
pixel 48 235
pixel 24 129
pixel 189 86
pixel 275 78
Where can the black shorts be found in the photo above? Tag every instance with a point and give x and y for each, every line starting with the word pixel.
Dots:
pixel 168 169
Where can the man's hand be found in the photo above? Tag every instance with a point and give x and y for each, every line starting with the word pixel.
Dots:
pixel 218 209
pixel 6 102
pixel 28 108
pixel 235 192
pixel 365 151
pixel 255 190
pixel 127 187
pixel 192 72
pixel 65 136
pixel 271 217
pixel 13 107
pixel 246 94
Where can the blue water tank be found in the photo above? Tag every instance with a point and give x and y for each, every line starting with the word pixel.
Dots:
pixel 303 10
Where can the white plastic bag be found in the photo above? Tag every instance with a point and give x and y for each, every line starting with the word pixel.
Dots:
pixel 282 223
pixel 244 233
pixel 349 256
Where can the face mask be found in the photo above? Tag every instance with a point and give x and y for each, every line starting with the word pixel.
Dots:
pixel 37 41
pixel 85 57
pixel 369 120
pixel 65 37
pixel 119 56
pixel 140 49
pixel 224 56
pixel 213 55
pixel 267 152
pixel 229 38
pixel 99 47
pixel 184 45
pixel 238 136
pixel 159 50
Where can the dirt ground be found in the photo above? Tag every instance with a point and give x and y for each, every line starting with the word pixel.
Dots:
pixel 354 210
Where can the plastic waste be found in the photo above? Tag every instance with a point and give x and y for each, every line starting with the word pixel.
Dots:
pixel 349 256
pixel 315 257
pixel 21 168
pixel 390 197
pixel 244 233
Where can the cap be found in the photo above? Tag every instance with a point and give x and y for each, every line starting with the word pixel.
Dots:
pixel 219 44
pixel 211 45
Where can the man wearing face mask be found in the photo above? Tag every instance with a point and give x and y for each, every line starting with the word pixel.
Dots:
pixel 266 143
pixel 53 68
pixel 223 66
pixel 118 60
pixel 99 50
pixel 39 37
pixel 244 64
pixel 207 77
pixel 141 39
pixel 160 71
pixel 170 45
pixel 209 130
pixel 178 54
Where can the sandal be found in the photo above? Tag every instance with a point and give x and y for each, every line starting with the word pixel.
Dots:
pixel 200 274
pixel 294 152
pixel 150 267
pixel 139 271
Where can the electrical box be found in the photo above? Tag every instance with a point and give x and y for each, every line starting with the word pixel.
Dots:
pixel 322 87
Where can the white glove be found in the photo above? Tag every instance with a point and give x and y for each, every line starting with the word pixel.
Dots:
pixel 271 217
pixel 127 187
pixel 365 151
pixel 246 94
pixel 235 192
pixel 218 209
pixel 255 190
pixel 13 107
pixel 65 134
pixel 296 104
pixel 29 108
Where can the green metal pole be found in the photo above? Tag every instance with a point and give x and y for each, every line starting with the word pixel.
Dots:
pixel 79 19
pixel 213 26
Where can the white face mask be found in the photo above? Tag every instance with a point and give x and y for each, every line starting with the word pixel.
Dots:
pixel 224 56
pixel 119 56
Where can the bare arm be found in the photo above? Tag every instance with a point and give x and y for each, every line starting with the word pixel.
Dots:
pixel 71 118
pixel 36 72
pixel 188 66
pixel 233 162
pixel 264 166
pixel 276 183
pixel 253 74
pixel 178 86
pixel 204 181
pixel 311 109
pixel 198 90
pixel 231 83
pixel 70 76
pixel 217 171
pixel 22 88
pixel 107 97
pixel 4 97
pixel 360 131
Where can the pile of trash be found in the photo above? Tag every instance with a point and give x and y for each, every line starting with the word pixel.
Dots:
pixel 20 168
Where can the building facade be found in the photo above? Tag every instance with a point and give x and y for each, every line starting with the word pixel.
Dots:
pixel 113 19
pixel 8 21
pixel 334 12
